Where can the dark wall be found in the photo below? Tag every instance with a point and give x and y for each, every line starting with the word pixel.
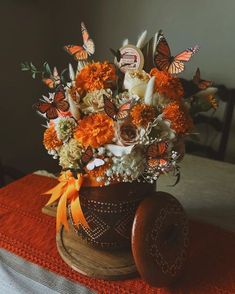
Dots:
pixel 33 31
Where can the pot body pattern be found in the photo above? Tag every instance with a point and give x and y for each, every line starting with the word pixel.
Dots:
pixel 110 213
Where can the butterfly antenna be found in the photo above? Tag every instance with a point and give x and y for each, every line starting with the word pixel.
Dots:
pixel 141 40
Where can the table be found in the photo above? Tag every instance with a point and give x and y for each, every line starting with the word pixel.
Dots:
pixel 206 191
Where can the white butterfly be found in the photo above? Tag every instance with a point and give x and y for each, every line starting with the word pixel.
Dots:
pixel 96 162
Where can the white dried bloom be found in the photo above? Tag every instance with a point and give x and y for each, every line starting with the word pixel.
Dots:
pixel 94 101
pixel 136 81
pixel 64 127
pixel 70 153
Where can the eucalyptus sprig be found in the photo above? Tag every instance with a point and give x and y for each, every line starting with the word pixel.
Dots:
pixel 29 66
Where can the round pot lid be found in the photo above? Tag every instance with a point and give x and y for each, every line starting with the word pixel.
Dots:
pixel 160 239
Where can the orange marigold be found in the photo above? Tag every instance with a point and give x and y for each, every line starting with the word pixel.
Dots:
pixel 96 76
pixel 50 139
pixel 167 85
pixel 142 114
pixel 95 130
pixel 179 117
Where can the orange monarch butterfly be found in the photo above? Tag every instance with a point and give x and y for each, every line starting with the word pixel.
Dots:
pixel 116 113
pixel 53 81
pixel 52 108
pixel 157 154
pixel 165 61
pixel 201 84
pixel 88 160
pixel 82 52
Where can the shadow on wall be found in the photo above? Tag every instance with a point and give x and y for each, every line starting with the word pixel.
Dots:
pixel 34 31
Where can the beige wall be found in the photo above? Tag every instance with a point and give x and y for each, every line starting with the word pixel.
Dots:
pixel 37 30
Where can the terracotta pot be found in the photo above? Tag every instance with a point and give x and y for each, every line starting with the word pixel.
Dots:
pixel 110 212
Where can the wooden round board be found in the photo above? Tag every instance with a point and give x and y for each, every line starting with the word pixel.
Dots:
pixel 101 264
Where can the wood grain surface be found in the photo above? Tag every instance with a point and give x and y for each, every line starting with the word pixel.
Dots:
pixel 109 265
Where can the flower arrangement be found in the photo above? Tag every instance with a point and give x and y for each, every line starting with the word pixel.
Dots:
pixel 120 121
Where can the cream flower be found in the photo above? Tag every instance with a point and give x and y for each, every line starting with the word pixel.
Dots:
pixel 136 81
pixel 70 153
pixel 94 101
pixel 64 127
pixel 128 167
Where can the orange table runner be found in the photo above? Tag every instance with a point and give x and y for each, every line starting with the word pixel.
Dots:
pixel 30 234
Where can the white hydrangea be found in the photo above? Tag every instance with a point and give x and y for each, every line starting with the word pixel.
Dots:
pixel 128 167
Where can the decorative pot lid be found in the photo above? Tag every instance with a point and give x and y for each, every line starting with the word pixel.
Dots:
pixel 160 239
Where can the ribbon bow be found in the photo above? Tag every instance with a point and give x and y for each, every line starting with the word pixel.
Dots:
pixel 67 190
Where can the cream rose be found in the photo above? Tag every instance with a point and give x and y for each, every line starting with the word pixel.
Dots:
pixel 136 81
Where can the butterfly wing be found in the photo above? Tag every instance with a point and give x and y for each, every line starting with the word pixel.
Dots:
pixel 96 162
pixel 176 67
pixel 88 42
pixel 156 154
pixel 49 83
pixel 78 52
pixel 177 64
pixel 123 111
pixel 87 156
pixel 187 54
pixel 156 149
pixel 163 53
pixel 59 100
pixel 110 108
pixel 201 84
pixel 52 113
pixel 42 107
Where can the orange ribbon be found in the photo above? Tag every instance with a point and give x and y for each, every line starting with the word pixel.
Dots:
pixel 67 190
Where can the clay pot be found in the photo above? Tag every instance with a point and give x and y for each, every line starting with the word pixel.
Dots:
pixel 110 212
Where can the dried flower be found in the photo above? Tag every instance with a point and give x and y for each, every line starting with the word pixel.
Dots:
pixel 179 117
pixel 64 127
pixel 142 114
pixel 128 167
pixel 161 130
pixel 136 81
pixel 96 76
pixel 167 85
pixel 94 101
pixel 95 130
pixel 50 139
pixel 127 133
pixel 70 153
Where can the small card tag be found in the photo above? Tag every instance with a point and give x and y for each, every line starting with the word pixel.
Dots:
pixel 131 58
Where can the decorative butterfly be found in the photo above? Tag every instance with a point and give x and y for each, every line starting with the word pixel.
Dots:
pixel 201 84
pixel 165 61
pixel 53 108
pixel 82 52
pixel 54 79
pixel 88 160
pixel 116 113
pixel 157 154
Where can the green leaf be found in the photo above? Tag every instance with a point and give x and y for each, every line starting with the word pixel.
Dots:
pixel 33 67
pixel 34 75
pixel 47 68
pixel 24 66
